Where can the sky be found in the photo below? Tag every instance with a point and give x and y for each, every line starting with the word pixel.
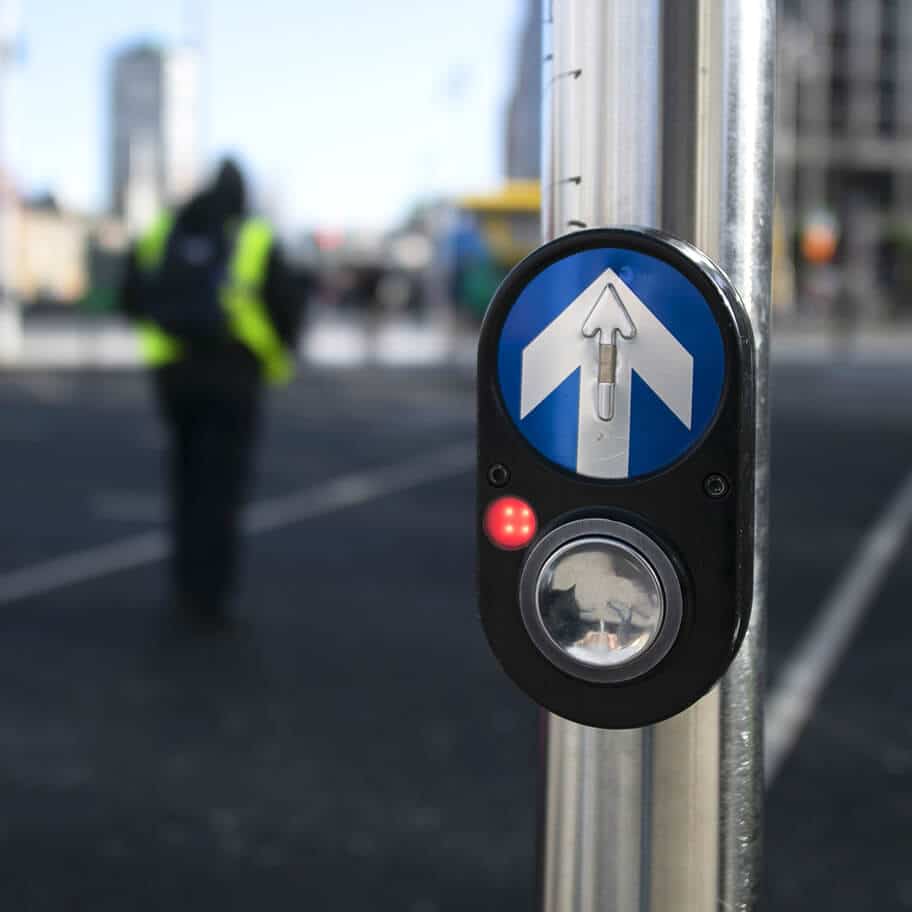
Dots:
pixel 346 111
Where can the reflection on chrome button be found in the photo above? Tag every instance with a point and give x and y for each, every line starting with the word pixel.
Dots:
pixel 600 601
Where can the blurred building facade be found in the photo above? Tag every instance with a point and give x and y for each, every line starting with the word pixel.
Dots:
pixel 844 146
pixel 56 256
pixel 48 261
pixel 522 142
pixel 155 129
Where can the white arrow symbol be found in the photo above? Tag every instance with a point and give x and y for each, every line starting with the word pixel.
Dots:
pixel 603 447
pixel 608 311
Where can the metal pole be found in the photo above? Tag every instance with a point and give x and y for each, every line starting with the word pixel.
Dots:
pixel 659 113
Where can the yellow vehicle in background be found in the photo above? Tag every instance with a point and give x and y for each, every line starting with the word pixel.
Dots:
pixel 492 232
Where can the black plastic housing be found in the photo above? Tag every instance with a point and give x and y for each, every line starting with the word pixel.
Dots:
pixel 709 539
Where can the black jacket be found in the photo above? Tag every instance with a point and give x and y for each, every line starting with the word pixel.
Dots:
pixel 212 212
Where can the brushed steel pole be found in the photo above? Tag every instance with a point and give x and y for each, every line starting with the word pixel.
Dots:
pixel 659 113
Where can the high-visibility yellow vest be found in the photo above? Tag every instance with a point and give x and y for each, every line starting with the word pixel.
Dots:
pixel 241 296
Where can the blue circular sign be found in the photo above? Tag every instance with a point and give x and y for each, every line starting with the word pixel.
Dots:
pixel 611 363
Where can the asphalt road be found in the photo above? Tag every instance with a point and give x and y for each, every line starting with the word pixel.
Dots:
pixel 353 746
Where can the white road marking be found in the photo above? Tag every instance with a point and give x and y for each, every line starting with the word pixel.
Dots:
pixel 273 513
pixel 360 487
pixel 789 706
pixel 801 683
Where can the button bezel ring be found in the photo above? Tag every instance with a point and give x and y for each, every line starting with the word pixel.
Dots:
pixel 627 536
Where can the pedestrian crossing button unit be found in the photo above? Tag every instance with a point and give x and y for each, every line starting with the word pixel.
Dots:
pixel 615 486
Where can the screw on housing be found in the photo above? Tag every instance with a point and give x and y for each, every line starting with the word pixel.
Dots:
pixel 716 486
pixel 498 475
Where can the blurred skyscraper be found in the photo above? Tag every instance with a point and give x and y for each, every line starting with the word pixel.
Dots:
pixel 844 145
pixel 522 148
pixel 155 129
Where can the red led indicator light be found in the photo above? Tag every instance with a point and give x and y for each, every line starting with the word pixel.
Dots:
pixel 510 523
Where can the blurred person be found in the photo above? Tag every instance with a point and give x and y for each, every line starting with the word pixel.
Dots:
pixel 218 312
